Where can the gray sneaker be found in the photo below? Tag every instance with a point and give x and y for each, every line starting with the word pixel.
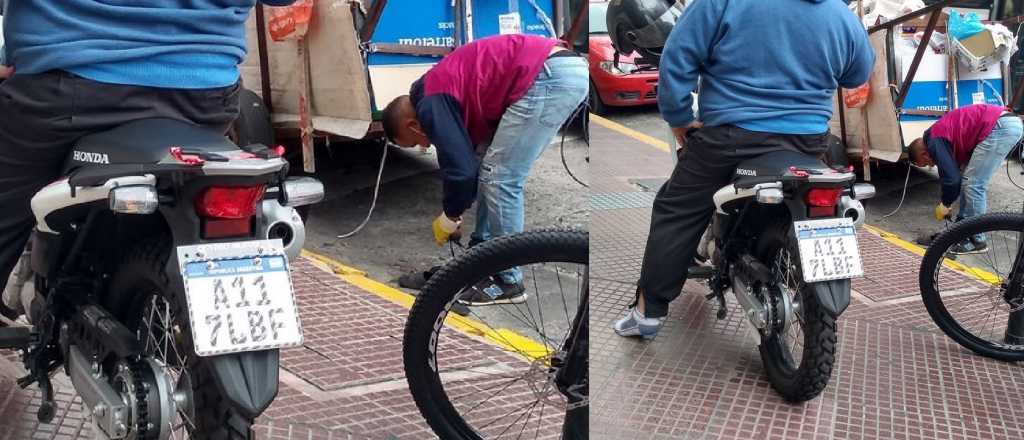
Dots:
pixel 634 324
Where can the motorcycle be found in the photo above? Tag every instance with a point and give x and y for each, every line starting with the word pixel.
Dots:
pixel 160 281
pixel 783 242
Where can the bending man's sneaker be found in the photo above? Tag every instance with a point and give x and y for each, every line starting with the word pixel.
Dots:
pixel 493 291
pixel 969 246
pixel 636 325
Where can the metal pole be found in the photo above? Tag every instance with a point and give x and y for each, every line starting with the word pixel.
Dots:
pixel 261 43
pixel 469 20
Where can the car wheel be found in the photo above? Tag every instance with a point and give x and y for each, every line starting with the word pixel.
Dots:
pixel 596 105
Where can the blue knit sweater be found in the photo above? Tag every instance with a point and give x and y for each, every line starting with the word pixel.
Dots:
pixel 769 66
pixel 180 44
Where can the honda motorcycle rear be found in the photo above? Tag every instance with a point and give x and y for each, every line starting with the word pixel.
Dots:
pixel 783 242
pixel 161 281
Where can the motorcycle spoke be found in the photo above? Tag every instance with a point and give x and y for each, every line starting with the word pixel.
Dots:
pixel 162 344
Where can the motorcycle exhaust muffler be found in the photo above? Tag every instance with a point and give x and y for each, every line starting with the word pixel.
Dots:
pixel 285 223
pixel 852 209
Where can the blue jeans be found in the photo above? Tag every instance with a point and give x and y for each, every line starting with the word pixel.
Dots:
pixel 527 127
pixel 986 159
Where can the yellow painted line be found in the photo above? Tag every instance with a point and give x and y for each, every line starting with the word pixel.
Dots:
pixel 622 129
pixel 970 271
pixel 505 338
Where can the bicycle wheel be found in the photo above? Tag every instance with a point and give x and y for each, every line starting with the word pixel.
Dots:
pixel 977 299
pixel 494 373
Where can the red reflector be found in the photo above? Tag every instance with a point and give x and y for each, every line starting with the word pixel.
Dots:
pixel 229 202
pixel 230 227
pixel 821 211
pixel 824 197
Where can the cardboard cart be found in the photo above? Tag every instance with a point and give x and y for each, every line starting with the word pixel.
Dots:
pixel 331 81
pixel 912 86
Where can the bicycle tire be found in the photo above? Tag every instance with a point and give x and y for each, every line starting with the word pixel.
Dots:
pixel 432 305
pixel 932 263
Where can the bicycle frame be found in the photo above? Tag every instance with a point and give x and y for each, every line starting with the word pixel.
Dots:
pixel 1015 291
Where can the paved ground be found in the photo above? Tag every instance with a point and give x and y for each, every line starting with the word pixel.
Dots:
pixel 346 382
pixel 897 376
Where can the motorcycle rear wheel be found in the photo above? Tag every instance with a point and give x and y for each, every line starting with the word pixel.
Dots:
pixel 144 298
pixel 804 378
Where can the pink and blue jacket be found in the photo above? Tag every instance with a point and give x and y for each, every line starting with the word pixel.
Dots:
pixel 461 100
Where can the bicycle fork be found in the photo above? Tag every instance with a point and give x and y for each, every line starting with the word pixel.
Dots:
pixel 1014 296
pixel 571 378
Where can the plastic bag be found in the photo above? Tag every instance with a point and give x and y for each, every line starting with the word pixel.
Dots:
pixel 290 22
pixel 857 97
pixel 963 28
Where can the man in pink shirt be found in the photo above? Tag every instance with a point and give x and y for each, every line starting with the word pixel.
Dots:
pixel 489 108
pixel 968 145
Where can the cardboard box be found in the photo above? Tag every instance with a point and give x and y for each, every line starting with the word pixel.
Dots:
pixel 981 44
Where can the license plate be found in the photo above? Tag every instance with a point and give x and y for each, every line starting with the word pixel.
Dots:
pixel 828 249
pixel 239 296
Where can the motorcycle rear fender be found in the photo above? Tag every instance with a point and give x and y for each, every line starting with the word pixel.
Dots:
pixel 248 381
pixel 833 296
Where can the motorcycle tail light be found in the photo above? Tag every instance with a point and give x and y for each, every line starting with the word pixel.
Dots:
pixel 824 197
pixel 822 201
pixel 227 227
pixel 228 211
pixel 223 202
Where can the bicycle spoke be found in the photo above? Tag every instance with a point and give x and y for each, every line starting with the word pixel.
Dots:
pixel 529 414
pixel 540 307
pixel 561 291
pixel 503 388
pixel 514 421
pixel 508 344
pixel 540 420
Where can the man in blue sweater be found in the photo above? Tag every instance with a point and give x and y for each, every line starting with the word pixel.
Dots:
pixel 767 72
pixel 84 66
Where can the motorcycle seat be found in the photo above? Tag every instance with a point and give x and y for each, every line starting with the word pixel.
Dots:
pixel 774 165
pixel 146 141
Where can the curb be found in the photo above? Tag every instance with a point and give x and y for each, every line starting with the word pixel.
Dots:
pixel 622 129
pixel 969 271
pixel 508 339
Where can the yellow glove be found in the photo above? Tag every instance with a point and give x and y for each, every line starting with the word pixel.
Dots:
pixel 444 228
pixel 942 212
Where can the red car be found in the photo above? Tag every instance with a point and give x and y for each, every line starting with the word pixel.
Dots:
pixel 612 86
